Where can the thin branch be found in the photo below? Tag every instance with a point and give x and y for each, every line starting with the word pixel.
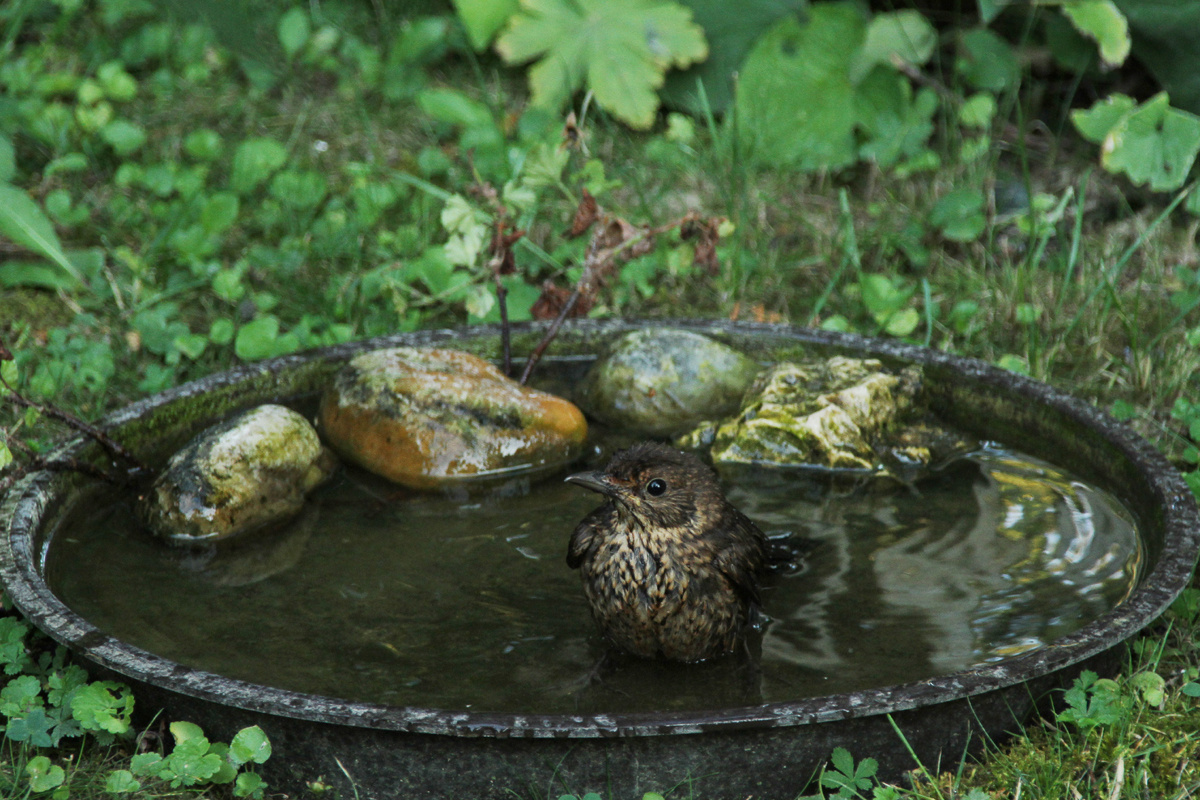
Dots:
pixel 114 447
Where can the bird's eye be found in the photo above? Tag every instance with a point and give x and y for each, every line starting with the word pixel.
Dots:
pixel 656 487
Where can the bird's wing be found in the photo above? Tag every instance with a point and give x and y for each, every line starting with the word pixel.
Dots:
pixel 741 556
pixel 586 537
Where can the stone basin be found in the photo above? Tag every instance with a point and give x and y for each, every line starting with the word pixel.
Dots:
pixel 769 750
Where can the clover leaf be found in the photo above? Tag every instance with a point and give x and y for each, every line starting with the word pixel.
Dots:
pixel 620 48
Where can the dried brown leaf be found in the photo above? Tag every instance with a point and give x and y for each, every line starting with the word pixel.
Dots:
pixel 586 214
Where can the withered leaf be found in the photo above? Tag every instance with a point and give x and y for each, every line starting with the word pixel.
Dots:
pixel 553 300
pixel 585 215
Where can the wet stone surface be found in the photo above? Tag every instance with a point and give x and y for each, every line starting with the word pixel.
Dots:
pixel 427 417
pixel 662 381
pixel 242 475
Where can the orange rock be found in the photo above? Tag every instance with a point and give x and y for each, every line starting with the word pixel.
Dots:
pixel 424 418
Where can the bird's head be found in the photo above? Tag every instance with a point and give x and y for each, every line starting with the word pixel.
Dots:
pixel 656 485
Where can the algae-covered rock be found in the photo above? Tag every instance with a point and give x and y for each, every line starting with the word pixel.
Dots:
pixel 661 381
pixel 243 474
pixel 841 414
pixel 428 417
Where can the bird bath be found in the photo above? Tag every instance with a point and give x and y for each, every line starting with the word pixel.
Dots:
pixel 767 745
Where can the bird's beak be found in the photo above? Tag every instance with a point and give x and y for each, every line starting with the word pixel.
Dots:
pixel 596 481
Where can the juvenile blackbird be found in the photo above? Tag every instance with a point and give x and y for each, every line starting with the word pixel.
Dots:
pixel 669 567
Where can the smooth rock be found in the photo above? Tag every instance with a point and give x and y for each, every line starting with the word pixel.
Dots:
pixel 427 418
pixel 839 414
pixel 243 474
pixel 661 381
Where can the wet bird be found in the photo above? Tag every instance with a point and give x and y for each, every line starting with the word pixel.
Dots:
pixel 669 567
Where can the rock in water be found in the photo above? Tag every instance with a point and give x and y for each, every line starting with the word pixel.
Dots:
pixel 661 381
pixel 245 473
pixel 425 418
pixel 841 414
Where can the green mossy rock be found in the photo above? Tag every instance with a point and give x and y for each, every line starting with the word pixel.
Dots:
pixel 246 473
pixel 661 381
pixel 842 414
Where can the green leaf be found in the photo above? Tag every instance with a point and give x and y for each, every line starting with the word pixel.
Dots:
pixel 795 104
pixel 219 213
pixel 204 144
pixel 483 19
pixel 254 161
pixel 1151 687
pixel 1154 144
pixel 294 31
pixel 121 781
pixel 959 215
pixel 145 764
pixel 977 111
pixel 22 221
pixel 1095 123
pixel 249 784
pixel 34 728
pixel 1103 22
pixel 250 745
pixel 260 338
pixel 44 776
pixel 904 37
pixel 118 85
pixel 895 125
pixel 987 61
pixel 20 695
pixel 103 706
pixel 1164 41
pixel 221 331
pixel 35 275
pixel 8 159
pixel 453 107
pixel 619 48
pixel 123 136
pixel 732 29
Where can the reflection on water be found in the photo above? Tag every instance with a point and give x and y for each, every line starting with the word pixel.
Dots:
pixel 413 599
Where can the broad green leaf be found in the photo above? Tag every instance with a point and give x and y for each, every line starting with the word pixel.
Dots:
pixel 250 745
pixel 1154 144
pixel 959 215
pixel 6 456
pixel 894 123
pixel 294 31
pixel 220 211
pixel 22 221
pixel 483 19
pixel 1164 41
pixel 43 775
pixel 123 136
pixel 254 161
pixel 795 102
pixel 1102 21
pixel 8 163
pixel 1095 123
pixel 116 83
pixel 990 9
pixel 454 107
pixel 121 781
pixel 204 144
pixel 619 48
pixel 732 29
pixel 249 784
pixel 977 111
pixel 987 61
pixel 260 338
pixel 103 706
pixel 33 274
pixel 901 36
pixel 480 300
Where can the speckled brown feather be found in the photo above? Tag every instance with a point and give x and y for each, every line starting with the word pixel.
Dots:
pixel 670 576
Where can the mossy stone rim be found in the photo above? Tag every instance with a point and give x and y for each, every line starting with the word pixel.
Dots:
pixel 1041 420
